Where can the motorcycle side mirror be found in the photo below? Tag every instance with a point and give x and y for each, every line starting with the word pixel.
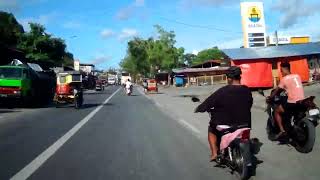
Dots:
pixel 260 91
pixel 195 99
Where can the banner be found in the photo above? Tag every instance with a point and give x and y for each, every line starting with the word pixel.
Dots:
pixel 255 74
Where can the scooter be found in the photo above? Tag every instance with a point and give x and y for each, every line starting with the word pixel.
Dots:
pixel 299 125
pixel 129 91
pixel 234 149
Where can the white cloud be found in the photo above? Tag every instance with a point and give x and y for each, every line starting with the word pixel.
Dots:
pixel 72 25
pixel 195 52
pixel 42 19
pixel 139 3
pixel 100 59
pixel 127 33
pixel 106 33
pixel 291 14
pixel 229 44
pixel 9 5
pixel 304 29
pixel 205 3
pixel 130 10
pixel 125 13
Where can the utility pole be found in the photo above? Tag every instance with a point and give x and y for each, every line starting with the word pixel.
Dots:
pixel 276 35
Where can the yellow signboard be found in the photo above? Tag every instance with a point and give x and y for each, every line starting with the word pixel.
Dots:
pixel 300 40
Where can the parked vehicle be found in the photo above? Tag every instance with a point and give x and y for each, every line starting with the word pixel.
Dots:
pixel 151 86
pixel 111 80
pixel 20 83
pixel 69 89
pixel 299 125
pixel 234 149
pixel 99 85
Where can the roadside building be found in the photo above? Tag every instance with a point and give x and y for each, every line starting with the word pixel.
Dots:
pixel 87 68
pixel 208 73
pixel 261 66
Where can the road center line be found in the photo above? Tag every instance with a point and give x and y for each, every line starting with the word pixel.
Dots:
pixel 44 156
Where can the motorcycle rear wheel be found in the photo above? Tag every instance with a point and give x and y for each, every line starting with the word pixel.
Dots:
pixel 305 145
pixel 272 130
pixel 242 170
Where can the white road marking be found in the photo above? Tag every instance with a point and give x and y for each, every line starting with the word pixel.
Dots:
pixel 186 124
pixel 44 156
pixel 158 104
pixel 182 122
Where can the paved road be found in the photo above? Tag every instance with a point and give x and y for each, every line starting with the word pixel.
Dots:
pixel 279 162
pixel 123 138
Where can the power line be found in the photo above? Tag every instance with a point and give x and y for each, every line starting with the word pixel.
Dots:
pixel 199 26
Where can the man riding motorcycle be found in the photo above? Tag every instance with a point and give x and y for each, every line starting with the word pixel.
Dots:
pixel 292 85
pixel 230 105
pixel 128 85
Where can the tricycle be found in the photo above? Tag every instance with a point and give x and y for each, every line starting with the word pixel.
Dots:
pixel 69 89
pixel 151 86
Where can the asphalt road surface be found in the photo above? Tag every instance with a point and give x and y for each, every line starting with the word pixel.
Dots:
pixel 112 137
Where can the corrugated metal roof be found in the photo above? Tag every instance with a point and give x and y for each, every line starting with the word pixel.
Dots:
pixel 191 70
pixel 273 52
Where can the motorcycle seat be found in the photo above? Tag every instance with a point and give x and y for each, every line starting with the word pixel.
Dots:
pixel 226 129
pixel 307 102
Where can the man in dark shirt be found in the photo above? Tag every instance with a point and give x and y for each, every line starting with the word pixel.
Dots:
pixel 230 105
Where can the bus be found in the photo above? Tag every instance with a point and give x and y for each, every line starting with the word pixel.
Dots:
pixel 124 77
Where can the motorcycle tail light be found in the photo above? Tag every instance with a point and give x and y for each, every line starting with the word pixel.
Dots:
pixel 245 135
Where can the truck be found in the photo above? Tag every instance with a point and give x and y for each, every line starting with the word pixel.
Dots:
pixel 124 77
pixel 21 83
pixel 112 80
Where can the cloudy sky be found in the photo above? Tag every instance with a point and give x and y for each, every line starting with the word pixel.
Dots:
pixel 96 31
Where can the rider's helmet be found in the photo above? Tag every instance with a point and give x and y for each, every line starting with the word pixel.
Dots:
pixel 234 72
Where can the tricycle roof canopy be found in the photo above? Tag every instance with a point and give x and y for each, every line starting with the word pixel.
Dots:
pixel 273 51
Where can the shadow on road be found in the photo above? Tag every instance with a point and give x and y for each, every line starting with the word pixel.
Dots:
pixel 8 111
pixel 256 147
pixel 86 106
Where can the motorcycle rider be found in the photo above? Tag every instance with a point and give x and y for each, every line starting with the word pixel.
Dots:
pixel 128 85
pixel 230 105
pixel 291 83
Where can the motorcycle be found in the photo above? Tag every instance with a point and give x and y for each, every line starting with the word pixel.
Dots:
pixel 299 125
pixel 78 98
pixel 234 149
pixel 129 90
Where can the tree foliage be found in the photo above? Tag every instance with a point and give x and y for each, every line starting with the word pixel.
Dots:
pixel 37 45
pixel 40 46
pixel 148 56
pixel 10 29
pixel 208 54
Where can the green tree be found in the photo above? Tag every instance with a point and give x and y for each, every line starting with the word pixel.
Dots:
pixel 147 56
pixel 68 59
pixel 189 58
pixel 208 54
pixel 10 29
pixel 40 46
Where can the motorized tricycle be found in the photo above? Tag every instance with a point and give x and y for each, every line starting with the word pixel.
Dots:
pixel 151 86
pixel 69 89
